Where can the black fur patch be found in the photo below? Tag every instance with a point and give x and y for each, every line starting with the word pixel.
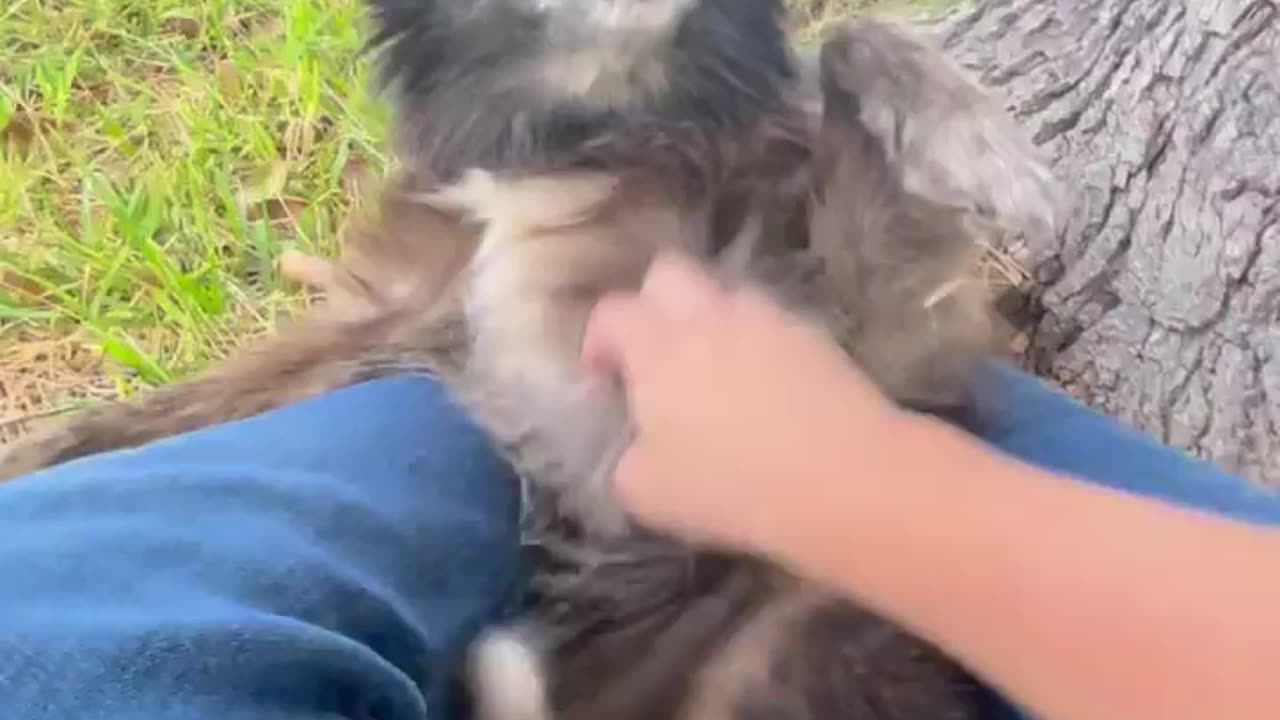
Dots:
pixel 847 663
pixel 453 63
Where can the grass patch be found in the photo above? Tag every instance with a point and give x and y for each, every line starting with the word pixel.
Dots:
pixel 156 157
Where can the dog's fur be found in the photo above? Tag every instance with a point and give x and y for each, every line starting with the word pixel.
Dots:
pixel 542 171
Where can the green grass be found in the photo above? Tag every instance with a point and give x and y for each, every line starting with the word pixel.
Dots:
pixel 156 156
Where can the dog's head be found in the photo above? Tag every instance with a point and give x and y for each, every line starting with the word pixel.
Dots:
pixel 547 84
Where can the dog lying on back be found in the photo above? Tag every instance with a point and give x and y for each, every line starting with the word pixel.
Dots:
pixel 551 147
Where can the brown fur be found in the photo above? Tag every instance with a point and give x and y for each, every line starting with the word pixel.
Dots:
pixel 486 282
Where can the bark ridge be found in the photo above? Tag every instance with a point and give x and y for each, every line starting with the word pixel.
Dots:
pixel 1158 301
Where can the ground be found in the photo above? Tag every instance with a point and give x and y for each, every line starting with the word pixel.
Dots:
pixel 156 157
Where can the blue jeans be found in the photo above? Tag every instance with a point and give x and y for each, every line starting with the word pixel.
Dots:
pixel 333 558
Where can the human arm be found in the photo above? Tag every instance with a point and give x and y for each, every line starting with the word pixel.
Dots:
pixel 1077 601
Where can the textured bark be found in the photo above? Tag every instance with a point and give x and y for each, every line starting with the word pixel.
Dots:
pixel 1159 300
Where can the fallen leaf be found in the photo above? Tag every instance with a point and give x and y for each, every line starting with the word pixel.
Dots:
pixel 356 174
pixel 19 132
pixel 265 183
pixel 277 210
pixel 99 92
pixel 257 23
pixel 272 27
pixel 188 28
pixel 227 76
pixel 22 286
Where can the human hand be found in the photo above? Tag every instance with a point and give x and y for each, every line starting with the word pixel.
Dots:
pixel 742 413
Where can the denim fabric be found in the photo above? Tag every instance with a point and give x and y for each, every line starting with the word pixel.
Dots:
pixel 1043 426
pixel 329 560
pixel 332 559
pixel 1028 419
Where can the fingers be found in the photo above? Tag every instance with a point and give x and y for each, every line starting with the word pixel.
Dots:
pixel 619 331
pixel 637 484
pixel 629 473
pixel 681 288
pixel 625 329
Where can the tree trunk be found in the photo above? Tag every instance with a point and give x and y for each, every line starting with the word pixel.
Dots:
pixel 1159 301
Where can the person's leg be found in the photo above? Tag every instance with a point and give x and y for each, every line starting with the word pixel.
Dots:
pixel 1026 418
pixel 1041 425
pixel 331 559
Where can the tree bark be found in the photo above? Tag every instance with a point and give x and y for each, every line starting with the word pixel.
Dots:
pixel 1159 300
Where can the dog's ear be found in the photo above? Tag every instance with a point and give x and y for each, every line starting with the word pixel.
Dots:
pixel 899 268
pixel 946 137
pixel 406 34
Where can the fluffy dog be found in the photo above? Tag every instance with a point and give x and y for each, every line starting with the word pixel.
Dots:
pixel 550 148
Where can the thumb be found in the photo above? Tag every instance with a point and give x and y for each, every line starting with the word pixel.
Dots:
pixel 681 286
pixel 624 329
pixel 632 481
pixel 620 334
